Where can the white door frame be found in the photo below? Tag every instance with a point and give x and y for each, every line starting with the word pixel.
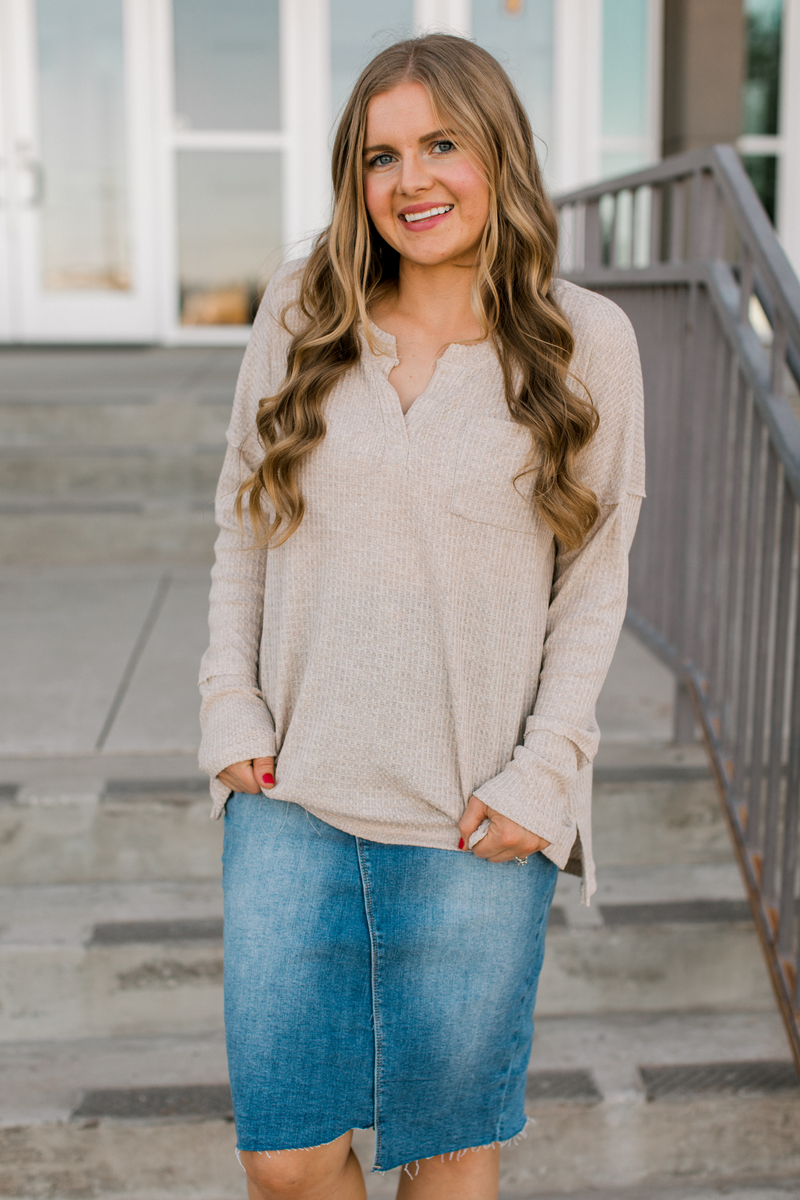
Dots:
pixel 578 142
pixel 6 285
pixel 445 16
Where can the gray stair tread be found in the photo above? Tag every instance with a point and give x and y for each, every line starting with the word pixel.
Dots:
pixel 787 1189
pixel 58 777
pixel 76 827
pixel 67 914
pixel 177 531
pixel 55 453
pixel 25 372
pixel 44 1081
pixel 626 884
pixel 612 1047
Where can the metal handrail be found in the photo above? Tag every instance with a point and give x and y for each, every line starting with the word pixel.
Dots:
pixel 686 249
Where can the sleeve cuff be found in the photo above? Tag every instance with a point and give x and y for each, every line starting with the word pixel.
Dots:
pixel 534 788
pixel 220 793
pixel 236 726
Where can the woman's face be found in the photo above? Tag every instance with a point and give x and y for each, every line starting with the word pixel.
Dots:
pixel 425 198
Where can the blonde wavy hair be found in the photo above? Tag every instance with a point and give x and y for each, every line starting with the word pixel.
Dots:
pixel 512 296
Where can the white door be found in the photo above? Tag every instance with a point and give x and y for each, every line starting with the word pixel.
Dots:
pixel 77 237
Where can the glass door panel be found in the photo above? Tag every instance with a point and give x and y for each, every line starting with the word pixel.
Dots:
pixel 81 173
pixel 761 96
pixel 228 150
pixel 359 30
pixel 520 36
pixel 626 119
pixel 227 64
pixel 229 233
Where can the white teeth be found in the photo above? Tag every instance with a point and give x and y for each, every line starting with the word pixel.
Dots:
pixel 432 212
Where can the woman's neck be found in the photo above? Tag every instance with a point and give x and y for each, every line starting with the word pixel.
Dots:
pixel 437 298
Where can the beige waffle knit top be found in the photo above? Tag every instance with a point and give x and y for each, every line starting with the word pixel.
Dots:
pixel 422 636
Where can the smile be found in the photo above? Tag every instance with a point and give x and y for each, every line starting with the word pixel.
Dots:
pixel 426 216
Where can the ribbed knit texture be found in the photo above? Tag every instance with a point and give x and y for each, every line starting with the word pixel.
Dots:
pixel 422 636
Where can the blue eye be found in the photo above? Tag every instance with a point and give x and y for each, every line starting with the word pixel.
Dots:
pixel 444 147
pixel 381 160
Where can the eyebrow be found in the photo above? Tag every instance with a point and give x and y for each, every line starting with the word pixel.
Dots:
pixel 428 137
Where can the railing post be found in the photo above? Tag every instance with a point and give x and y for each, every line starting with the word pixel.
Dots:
pixel 656 223
pixel 592 239
pixel 684 729
pixel 677 220
pixel 746 280
pixel 778 355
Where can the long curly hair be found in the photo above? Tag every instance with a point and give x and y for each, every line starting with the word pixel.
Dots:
pixel 512 295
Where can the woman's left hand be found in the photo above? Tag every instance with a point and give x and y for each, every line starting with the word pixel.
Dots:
pixel 505 839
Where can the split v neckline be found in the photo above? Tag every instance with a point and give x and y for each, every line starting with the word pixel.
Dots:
pixel 456 355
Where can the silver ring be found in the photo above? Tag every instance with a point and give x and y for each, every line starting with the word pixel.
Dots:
pixel 521 861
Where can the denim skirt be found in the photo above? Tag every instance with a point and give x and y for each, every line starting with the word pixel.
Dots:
pixel 374 985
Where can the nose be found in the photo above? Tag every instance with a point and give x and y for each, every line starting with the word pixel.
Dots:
pixel 413 175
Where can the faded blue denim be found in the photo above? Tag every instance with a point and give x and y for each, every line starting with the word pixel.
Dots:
pixel 375 985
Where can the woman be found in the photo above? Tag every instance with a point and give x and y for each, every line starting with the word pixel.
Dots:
pixel 433 479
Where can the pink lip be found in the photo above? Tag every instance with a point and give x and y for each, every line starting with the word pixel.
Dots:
pixel 420 226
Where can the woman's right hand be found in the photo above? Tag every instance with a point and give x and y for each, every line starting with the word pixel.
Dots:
pixel 250 776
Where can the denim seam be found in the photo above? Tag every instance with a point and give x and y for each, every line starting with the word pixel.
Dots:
pixel 376 1023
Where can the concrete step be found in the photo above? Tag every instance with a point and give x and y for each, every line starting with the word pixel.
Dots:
pixel 764 1189
pixel 136 958
pixel 169 979
pixel 87 533
pixel 109 959
pixel 32 475
pixel 111 456
pixel 701 1098
pixel 92 418
pixel 71 370
pixel 118 831
pixel 657 813
pixel 65 829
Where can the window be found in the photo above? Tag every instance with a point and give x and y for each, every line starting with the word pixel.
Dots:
pixel 760 100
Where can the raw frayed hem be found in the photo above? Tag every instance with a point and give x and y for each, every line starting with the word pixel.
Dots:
pixel 291 1150
pixel 457 1155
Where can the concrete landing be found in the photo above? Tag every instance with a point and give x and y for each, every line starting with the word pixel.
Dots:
pixel 103 662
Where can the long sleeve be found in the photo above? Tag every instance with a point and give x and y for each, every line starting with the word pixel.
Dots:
pixel 587 607
pixel 561 735
pixel 235 722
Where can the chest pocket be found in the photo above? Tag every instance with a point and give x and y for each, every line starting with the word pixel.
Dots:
pixel 492 453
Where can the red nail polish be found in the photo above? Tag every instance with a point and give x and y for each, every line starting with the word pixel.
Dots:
pixel 461 843
pixel 269 780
